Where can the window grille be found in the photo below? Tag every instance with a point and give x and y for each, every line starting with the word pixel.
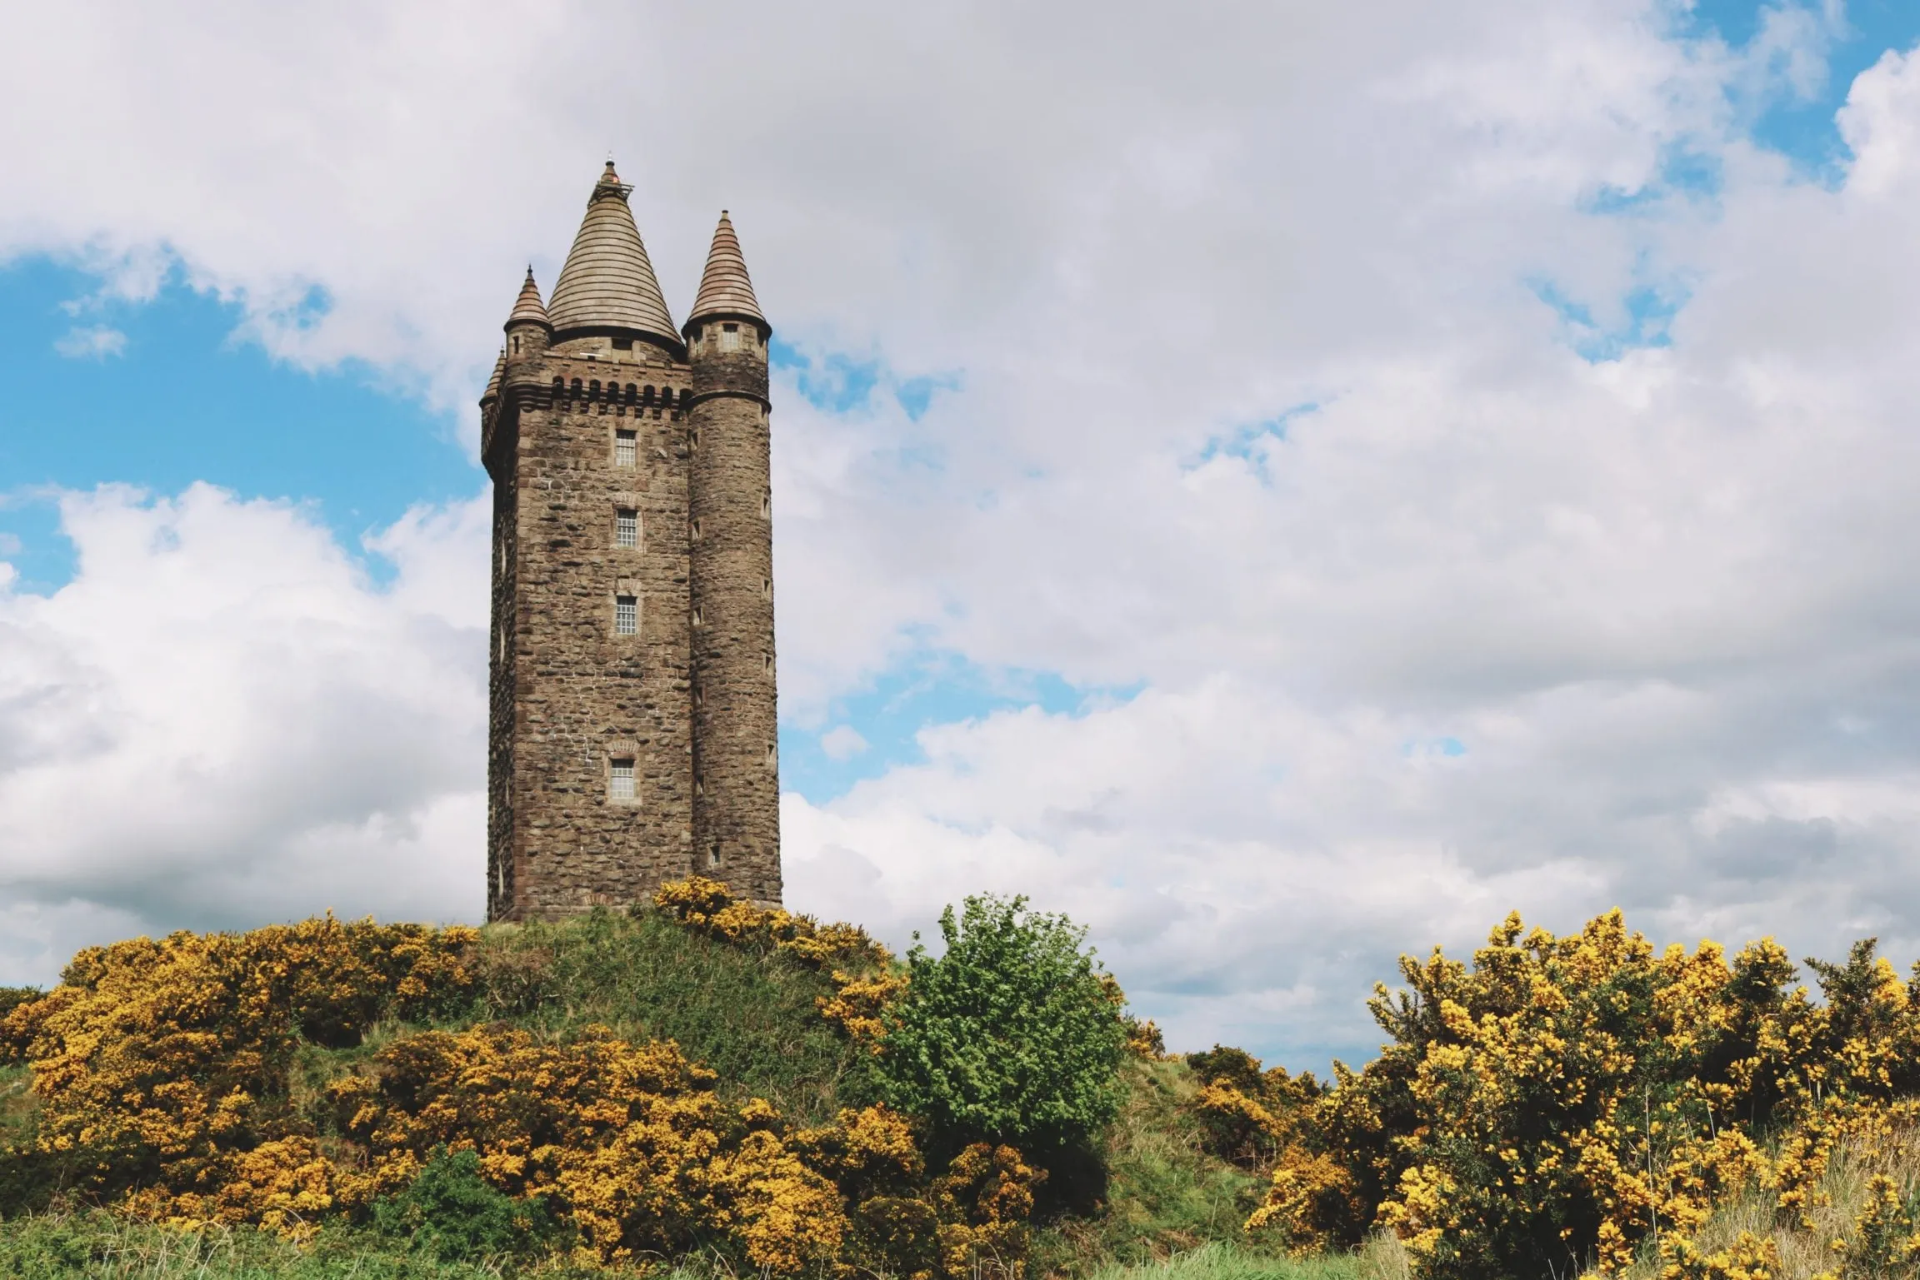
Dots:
pixel 626 449
pixel 626 615
pixel 626 528
pixel 620 780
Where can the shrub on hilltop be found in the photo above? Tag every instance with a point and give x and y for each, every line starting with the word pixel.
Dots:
pixel 1009 1036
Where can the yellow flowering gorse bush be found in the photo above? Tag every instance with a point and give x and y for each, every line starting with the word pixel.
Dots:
pixel 169 1080
pixel 1565 1102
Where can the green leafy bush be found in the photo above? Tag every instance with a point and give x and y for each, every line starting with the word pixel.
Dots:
pixel 453 1213
pixel 1010 1036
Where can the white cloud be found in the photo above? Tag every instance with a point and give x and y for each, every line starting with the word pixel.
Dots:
pixel 842 742
pixel 221 720
pixel 1664 605
pixel 93 342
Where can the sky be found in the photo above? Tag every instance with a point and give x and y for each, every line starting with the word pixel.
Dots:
pixel 1286 484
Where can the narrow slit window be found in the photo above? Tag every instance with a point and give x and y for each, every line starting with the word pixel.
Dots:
pixel 626 615
pixel 620 780
pixel 713 856
pixel 626 528
pixel 626 448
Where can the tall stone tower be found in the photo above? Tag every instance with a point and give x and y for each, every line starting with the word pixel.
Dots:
pixel 632 702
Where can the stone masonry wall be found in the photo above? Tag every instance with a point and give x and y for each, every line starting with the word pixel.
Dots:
pixel 498 434
pixel 736 813
pixel 583 697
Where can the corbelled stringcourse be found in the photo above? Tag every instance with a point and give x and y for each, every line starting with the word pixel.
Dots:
pixel 632 696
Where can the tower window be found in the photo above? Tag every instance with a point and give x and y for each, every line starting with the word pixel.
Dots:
pixel 516 344
pixel 626 449
pixel 626 528
pixel 713 856
pixel 626 615
pixel 623 344
pixel 729 337
pixel 620 780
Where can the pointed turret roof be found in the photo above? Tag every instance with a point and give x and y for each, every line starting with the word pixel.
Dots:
pixel 528 305
pixel 608 282
pixel 724 286
pixel 493 384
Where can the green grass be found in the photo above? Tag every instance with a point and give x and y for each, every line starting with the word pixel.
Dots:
pixel 1229 1262
pixel 749 1016
pixel 101 1245
pixel 1165 1194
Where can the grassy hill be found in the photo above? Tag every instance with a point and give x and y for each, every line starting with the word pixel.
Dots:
pixel 749 1012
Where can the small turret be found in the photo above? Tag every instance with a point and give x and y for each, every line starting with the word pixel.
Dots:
pixel 492 392
pixel 528 329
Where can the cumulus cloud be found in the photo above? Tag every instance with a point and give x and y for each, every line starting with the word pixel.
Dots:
pixel 1269 389
pixel 221 720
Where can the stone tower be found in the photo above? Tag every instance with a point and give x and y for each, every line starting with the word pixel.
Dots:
pixel 632 702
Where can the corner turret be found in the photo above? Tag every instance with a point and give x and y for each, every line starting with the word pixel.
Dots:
pixel 736 793
pixel 529 331
pixel 492 392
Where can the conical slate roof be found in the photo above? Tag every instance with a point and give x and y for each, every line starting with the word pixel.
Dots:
pixel 724 286
pixel 528 305
pixel 493 384
pixel 608 282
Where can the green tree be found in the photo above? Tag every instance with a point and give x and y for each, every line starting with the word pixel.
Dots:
pixel 1009 1036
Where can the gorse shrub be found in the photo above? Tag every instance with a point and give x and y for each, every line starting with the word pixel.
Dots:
pixel 1566 1102
pixel 1009 1036
pixel 1249 1114
pixel 168 1061
pixel 283 1078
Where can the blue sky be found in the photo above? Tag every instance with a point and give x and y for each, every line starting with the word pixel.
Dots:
pixel 1288 498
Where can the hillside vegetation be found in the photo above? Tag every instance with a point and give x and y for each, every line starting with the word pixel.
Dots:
pixel 706 1088
pixel 694 1085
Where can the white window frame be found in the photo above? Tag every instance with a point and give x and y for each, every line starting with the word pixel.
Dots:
pixel 626 449
pixel 626 615
pixel 622 782
pixel 626 527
